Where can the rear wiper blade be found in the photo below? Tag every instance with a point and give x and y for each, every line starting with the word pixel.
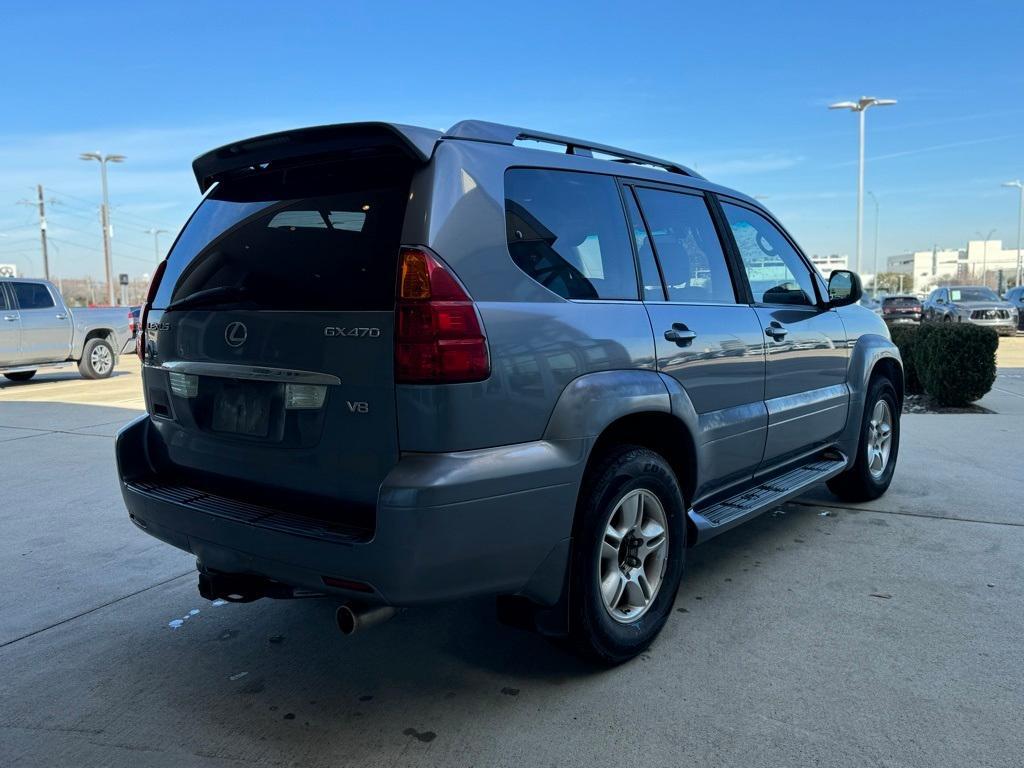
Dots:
pixel 207 296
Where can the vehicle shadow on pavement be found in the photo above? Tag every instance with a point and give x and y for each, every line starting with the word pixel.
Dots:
pixel 54 378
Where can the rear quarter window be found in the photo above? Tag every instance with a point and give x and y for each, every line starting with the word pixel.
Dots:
pixel 32 296
pixel 567 231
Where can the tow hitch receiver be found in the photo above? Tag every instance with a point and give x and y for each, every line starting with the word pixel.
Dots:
pixel 244 588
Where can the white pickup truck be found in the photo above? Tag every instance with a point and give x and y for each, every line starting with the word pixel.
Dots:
pixel 37 330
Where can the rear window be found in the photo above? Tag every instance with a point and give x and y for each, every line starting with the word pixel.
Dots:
pixel 900 301
pixel 323 238
pixel 567 231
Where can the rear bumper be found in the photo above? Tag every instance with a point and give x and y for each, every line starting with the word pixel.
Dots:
pixel 491 521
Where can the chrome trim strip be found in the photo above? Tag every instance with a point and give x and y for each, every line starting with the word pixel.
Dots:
pixel 250 372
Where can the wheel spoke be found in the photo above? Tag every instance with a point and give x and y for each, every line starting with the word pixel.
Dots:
pixel 635 596
pixel 612 588
pixel 651 546
pixel 630 509
pixel 876 460
pixel 645 585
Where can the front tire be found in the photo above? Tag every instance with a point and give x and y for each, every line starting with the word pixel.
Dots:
pixel 879 445
pixel 20 375
pixel 97 359
pixel 628 554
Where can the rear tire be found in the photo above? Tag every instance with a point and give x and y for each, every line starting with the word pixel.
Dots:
pixel 20 375
pixel 622 581
pixel 872 471
pixel 97 359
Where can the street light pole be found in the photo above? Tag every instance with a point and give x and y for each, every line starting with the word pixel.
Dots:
pixel 1020 220
pixel 861 107
pixel 875 201
pixel 156 240
pixel 105 214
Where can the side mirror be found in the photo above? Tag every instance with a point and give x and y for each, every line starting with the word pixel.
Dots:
pixel 844 288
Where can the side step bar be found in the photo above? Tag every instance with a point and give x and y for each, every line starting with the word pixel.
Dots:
pixel 725 514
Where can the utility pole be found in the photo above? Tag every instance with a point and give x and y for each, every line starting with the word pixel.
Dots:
pixel 42 231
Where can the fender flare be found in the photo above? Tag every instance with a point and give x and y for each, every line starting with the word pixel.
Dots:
pixel 865 355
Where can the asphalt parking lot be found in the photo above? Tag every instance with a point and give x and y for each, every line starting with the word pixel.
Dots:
pixel 887 634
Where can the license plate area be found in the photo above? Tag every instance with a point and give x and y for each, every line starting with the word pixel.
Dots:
pixel 250 409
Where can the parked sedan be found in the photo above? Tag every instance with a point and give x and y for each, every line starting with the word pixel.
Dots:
pixel 901 310
pixel 971 304
pixel 1015 296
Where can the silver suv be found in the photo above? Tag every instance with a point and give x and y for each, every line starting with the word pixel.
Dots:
pixel 394 366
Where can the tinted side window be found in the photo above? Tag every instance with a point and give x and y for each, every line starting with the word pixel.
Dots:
pixel 650 277
pixel 32 296
pixel 567 231
pixel 776 273
pixel 687 245
pixel 3 298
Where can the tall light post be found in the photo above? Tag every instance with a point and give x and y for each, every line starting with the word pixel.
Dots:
pixel 984 254
pixel 875 281
pixel 1020 220
pixel 156 240
pixel 861 107
pixel 105 214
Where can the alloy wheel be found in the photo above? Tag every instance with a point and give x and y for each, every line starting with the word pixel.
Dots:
pixel 101 359
pixel 634 554
pixel 879 441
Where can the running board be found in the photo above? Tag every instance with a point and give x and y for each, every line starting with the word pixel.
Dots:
pixel 722 515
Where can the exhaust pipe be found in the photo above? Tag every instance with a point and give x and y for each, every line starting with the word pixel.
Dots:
pixel 351 617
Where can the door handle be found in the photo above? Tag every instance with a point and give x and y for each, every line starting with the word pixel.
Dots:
pixel 776 331
pixel 680 335
pixel 62 317
pixel 10 318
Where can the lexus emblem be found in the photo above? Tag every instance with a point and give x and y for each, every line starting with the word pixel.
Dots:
pixel 235 334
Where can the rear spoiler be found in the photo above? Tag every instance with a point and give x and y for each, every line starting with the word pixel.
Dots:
pixel 324 140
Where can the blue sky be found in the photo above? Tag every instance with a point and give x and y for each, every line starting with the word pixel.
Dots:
pixel 738 92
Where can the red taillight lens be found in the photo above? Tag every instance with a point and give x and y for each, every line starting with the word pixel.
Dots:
pixel 140 337
pixel 438 339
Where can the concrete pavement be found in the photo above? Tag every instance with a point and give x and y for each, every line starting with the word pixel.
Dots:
pixel 887 634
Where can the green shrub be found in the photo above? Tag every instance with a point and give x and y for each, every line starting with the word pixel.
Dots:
pixel 905 337
pixel 955 362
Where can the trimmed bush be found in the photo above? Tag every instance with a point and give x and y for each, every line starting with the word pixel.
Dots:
pixel 905 337
pixel 955 362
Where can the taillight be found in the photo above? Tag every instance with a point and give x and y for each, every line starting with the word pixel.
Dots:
pixel 140 338
pixel 438 339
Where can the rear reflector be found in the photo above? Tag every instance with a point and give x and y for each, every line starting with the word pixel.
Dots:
pixel 304 396
pixel 438 338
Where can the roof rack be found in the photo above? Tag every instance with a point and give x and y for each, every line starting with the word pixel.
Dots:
pixel 496 133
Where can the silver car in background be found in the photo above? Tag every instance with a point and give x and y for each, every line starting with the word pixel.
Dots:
pixel 971 304
pixel 38 330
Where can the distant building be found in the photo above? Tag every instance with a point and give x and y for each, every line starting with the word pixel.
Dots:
pixel 926 268
pixel 990 256
pixel 980 262
pixel 826 264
